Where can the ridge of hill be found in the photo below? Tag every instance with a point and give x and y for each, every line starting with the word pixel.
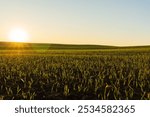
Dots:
pixel 20 45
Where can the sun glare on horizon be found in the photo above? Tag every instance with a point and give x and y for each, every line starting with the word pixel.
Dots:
pixel 18 35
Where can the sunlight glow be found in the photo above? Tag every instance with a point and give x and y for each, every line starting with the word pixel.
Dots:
pixel 18 35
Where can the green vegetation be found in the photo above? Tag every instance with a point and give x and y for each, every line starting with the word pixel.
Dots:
pixel 74 72
pixel 40 46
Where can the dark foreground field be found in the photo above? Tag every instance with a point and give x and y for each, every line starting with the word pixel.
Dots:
pixel 42 71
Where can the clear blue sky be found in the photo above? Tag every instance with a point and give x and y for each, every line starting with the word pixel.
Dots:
pixel 103 22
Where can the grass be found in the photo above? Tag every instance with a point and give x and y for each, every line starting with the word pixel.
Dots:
pixel 37 46
pixel 54 71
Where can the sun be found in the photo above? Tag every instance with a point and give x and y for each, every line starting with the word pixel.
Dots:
pixel 18 35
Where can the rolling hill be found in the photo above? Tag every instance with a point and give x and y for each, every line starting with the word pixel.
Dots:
pixel 30 46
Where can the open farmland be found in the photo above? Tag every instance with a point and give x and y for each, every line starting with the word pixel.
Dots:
pixel 38 71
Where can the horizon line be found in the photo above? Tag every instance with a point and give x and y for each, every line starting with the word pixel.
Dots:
pixel 75 44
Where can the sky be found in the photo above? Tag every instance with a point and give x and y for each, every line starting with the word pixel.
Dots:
pixel 101 22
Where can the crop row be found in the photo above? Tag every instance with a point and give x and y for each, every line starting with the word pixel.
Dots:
pixel 75 76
